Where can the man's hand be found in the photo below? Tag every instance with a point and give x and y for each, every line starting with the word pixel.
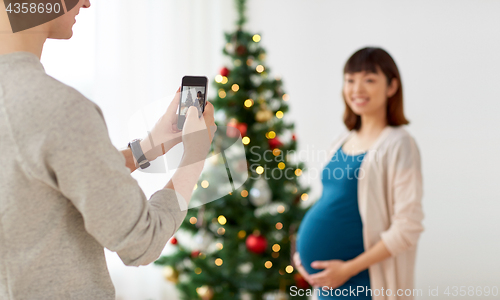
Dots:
pixel 164 132
pixel 197 135
pixel 198 132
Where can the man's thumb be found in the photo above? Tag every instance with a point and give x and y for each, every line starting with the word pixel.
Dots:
pixel 192 113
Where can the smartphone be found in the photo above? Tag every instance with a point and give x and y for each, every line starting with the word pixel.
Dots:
pixel 193 92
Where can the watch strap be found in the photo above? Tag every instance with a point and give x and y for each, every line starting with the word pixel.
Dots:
pixel 141 159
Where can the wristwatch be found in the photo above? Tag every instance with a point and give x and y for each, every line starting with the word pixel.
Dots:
pixel 135 146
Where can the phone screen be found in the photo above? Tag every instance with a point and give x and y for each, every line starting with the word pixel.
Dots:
pixel 192 95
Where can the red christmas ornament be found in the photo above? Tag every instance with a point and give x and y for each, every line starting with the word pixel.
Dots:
pixel 294 137
pixel 242 127
pixel 300 282
pixel 274 143
pixel 256 243
pixel 241 50
pixel 231 130
pixel 297 199
pixel 234 128
pixel 173 241
pixel 224 72
pixel 195 253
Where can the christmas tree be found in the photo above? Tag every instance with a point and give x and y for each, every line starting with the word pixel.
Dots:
pixel 241 244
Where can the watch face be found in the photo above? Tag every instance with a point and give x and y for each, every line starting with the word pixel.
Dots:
pixel 133 141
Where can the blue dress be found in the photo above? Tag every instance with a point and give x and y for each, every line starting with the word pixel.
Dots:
pixel 332 227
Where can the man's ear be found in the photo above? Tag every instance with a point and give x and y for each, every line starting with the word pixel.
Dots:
pixel 393 88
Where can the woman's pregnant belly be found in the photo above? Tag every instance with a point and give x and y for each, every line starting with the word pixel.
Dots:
pixel 330 231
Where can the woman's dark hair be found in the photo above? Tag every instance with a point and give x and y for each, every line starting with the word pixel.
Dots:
pixel 368 59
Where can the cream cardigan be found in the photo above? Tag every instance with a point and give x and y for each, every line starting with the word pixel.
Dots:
pixel 389 199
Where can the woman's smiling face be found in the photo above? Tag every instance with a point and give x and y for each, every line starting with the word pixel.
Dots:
pixel 366 93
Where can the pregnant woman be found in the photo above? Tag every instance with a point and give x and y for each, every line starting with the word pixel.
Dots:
pixel 362 234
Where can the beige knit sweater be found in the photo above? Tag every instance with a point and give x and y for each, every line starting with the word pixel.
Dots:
pixel 65 192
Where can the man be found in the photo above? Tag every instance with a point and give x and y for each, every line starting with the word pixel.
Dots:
pixel 65 190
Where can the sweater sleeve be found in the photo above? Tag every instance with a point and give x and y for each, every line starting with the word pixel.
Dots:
pixel 406 221
pixel 90 172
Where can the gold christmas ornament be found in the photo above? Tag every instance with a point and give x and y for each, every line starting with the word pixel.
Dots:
pixel 170 274
pixel 264 114
pixel 277 295
pixel 281 297
pixel 205 292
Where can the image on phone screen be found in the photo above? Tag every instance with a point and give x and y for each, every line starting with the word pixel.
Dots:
pixel 192 95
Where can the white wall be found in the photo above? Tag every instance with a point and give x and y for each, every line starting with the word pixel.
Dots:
pixel 124 55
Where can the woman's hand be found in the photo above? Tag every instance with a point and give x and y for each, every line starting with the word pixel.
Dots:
pixel 300 268
pixel 164 132
pixel 336 273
